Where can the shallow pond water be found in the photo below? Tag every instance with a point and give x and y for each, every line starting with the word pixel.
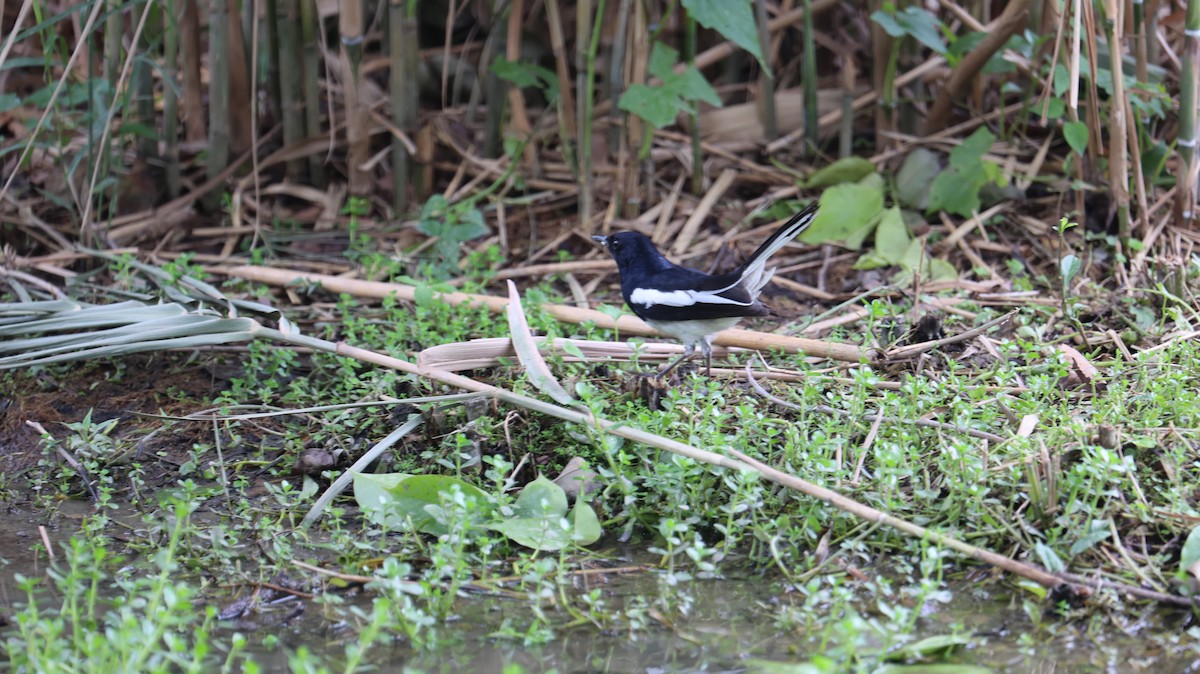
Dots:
pixel 713 625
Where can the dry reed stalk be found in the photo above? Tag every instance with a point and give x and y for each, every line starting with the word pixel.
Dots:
pixel 1118 146
pixel 350 29
pixel 218 93
pixel 566 100
pixel 404 92
pixel 703 209
pixel 1185 174
pixel 241 135
pixel 311 83
pixel 767 78
pixel 516 98
pixel 192 94
pixel 291 77
pixel 861 102
pixel 625 324
pixel 1013 19
pixel 170 75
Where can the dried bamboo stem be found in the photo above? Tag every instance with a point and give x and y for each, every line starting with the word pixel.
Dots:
pixel 626 324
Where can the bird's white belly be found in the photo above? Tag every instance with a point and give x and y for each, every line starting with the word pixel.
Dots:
pixel 694 332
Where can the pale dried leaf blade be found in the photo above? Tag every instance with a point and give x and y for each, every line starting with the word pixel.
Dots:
pixel 1028 423
pixel 577 477
pixel 527 351
pixel 1082 365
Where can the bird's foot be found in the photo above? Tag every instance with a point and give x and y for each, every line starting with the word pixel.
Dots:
pixel 649 386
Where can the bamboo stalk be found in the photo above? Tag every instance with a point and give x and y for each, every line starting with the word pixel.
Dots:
pixel 568 130
pixel 397 54
pixel 1013 19
pixel 625 324
pixel 1186 140
pixel 274 58
pixel 143 88
pixel 310 81
pixel 636 129
pixel 170 76
pixel 350 28
pixel 586 41
pixel 494 89
pixel 218 94
pixel 846 130
pixel 290 84
pixel 1118 147
pixel 812 130
pixel 689 55
pixel 516 98
pixel 192 98
pixel 766 78
pixel 616 84
pixel 883 47
pixel 1139 41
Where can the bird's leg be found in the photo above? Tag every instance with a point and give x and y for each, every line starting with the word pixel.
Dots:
pixel 687 353
pixel 706 349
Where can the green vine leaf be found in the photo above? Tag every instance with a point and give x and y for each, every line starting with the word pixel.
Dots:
pixel 734 19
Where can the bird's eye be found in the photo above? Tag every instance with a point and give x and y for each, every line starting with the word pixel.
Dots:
pixel 614 244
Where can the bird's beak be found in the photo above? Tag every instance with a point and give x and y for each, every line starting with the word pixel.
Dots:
pixel 602 240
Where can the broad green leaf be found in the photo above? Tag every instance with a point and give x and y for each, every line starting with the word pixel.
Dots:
pixel 471 226
pixel 571 349
pixel 846 170
pixel 662 61
pixel 938 668
pixel 891 236
pixel 520 74
pixel 1076 134
pixel 845 209
pixel 691 86
pixel 1098 530
pixel 922 25
pixel 656 105
pixel 1191 553
pixel 970 152
pixel 888 23
pixel 770 667
pixel 733 19
pixel 525 75
pixel 941 270
pixel 918 22
pixel 403 502
pixel 929 646
pixel 911 261
pixel 1050 561
pixel 585 525
pixel 871 259
pixel 539 520
pixel 1068 268
pixel 538 533
pixel 915 178
pixel 956 189
pixel 1154 159
pixel 541 498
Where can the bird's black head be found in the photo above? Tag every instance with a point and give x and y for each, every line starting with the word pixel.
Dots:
pixel 632 249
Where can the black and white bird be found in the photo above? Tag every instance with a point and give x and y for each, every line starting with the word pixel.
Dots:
pixel 686 303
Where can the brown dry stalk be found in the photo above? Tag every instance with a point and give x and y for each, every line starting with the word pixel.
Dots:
pixel 1012 20
pixel 628 325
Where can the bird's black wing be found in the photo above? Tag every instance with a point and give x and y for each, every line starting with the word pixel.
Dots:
pixel 681 294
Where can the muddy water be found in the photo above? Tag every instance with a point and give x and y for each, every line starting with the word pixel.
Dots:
pixel 726 623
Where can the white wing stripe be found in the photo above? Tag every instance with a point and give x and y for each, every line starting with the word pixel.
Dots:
pixel 649 297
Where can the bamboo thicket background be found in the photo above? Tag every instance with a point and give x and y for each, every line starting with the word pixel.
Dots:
pixel 184 122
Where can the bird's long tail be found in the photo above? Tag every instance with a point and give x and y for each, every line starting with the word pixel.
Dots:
pixel 755 274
